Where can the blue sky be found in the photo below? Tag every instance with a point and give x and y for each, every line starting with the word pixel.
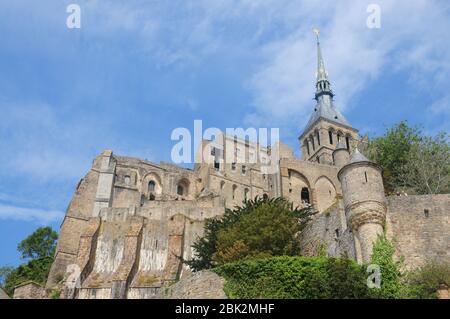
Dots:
pixel 136 70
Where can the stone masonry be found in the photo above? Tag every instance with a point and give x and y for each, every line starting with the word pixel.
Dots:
pixel 131 221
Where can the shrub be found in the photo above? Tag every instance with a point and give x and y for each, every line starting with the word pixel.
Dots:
pixel 294 277
pixel 260 228
pixel 391 278
pixel 424 282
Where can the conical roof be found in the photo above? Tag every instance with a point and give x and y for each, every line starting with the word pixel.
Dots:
pixel 357 157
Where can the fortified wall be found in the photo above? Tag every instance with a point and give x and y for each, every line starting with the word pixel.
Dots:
pixel 417 225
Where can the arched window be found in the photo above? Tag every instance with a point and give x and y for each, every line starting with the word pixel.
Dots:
pixel 151 197
pixel 307 146
pixel 265 196
pixel 305 195
pixel 318 137
pixel 339 136
pixel 127 180
pixel 151 186
pixel 312 142
pixel 330 136
pixel 347 142
pixel 234 191
pixel 246 194
pixel 180 190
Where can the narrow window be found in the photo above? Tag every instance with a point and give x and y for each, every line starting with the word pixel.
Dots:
pixel 245 194
pixel 244 169
pixel 151 197
pixel 307 146
pixel 233 166
pixel 365 175
pixel 347 142
pixel 151 186
pixel 180 190
pixel 216 165
pixel 318 137
pixel 318 159
pixel 426 212
pixel 234 191
pixel 312 141
pixel 127 180
pixel 305 195
pixel 330 136
pixel 213 151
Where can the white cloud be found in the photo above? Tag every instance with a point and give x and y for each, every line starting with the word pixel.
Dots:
pixel 413 38
pixel 40 216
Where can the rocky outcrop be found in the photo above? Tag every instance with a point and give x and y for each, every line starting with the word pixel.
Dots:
pixel 200 285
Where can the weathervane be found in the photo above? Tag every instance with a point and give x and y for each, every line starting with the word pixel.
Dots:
pixel 317 33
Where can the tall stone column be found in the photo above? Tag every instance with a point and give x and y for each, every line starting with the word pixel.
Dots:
pixel 364 202
pixel 105 184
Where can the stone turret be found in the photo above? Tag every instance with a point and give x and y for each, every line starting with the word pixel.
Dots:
pixel 341 155
pixel 364 202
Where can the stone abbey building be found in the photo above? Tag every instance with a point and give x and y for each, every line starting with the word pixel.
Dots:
pixel 130 219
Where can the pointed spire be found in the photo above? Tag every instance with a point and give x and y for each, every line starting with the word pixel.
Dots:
pixel 321 72
pixel 322 83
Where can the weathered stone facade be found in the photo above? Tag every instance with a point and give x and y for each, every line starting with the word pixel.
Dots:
pixel 131 221
pixel 29 290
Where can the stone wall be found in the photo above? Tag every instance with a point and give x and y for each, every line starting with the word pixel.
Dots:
pixel 419 227
pixel 29 290
pixel 328 233
pixel 201 285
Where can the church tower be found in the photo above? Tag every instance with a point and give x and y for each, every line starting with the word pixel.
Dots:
pixel 327 127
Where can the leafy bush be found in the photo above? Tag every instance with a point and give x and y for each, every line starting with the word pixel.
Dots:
pixel 392 286
pixel 294 277
pixel 35 270
pixel 260 228
pixel 424 282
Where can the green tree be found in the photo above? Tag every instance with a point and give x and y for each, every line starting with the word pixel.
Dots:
pixel 39 247
pixel 427 169
pixel 4 273
pixel 392 151
pixel 260 228
pixel 35 270
pixel 412 161
pixel 41 243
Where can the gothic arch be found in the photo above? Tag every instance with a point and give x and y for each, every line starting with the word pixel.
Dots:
pixel 295 188
pixel 183 187
pixel 146 182
pixel 325 193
